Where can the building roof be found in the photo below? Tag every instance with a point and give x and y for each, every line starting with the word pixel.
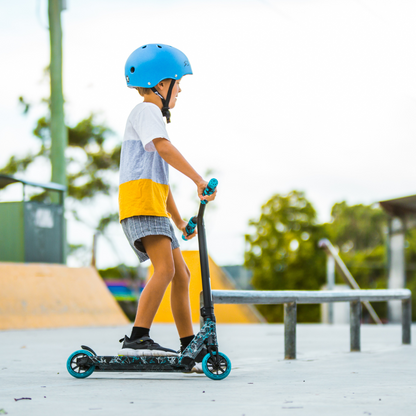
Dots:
pixel 6 180
pixel 400 206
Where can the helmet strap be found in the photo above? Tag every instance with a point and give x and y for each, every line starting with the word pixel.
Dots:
pixel 165 102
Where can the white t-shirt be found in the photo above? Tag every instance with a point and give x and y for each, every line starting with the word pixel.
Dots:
pixel 144 175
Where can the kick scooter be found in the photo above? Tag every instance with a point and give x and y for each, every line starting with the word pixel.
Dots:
pixel 215 365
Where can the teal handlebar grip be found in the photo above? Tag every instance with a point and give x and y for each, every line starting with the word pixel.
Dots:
pixel 210 189
pixel 190 228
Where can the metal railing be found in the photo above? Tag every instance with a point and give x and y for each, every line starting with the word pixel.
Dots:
pixel 290 299
pixel 334 261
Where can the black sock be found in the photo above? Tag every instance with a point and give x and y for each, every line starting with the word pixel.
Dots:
pixel 186 341
pixel 138 332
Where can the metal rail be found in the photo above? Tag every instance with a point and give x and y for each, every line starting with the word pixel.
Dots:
pixel 326 245
pixel 290 299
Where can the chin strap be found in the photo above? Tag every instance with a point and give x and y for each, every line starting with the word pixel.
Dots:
pixel 165 102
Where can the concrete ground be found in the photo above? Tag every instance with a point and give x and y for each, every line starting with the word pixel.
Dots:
pixel 326 379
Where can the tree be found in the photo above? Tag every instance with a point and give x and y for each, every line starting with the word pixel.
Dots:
pixel 360 233
pixel 283 252
pixel 90 158
pixel 86 172
pixel 357 227
pixel 411 267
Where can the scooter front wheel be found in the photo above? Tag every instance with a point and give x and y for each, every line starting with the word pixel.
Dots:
pixel 214 370
pixel 75 368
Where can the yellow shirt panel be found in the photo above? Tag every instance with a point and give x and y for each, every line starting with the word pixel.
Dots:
pixel 143 197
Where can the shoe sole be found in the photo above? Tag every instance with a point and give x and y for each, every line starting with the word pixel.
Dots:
pixel 129 352
pixel 197 368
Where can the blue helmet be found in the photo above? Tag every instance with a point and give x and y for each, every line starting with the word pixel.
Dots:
pixel 152 63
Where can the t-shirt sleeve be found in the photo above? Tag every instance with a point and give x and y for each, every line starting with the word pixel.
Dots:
pixel 149 125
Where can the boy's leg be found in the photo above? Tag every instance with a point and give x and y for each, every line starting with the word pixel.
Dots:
pixel 181 308
pixel 159 250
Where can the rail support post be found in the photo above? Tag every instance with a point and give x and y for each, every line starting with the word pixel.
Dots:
pixel 355 322
pixel 290 312
pixel 406 321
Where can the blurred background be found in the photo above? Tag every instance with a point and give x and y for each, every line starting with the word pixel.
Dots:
pixel 303 110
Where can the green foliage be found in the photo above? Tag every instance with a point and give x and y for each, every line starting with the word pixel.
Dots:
pixel 106 221
pixel 369 268
pixel 357 227
pixel 360 231
pixel 119 272
pixel 283 252
pixel 411 251
pixel 90 157
pixel 86 172
pixel 15 164
pixel 72 248
pixel 411 267
pixel 24 104
pixel 287 222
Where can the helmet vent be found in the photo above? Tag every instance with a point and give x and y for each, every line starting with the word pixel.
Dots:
pixel 145 46
pixel 159 46
pixel 132 69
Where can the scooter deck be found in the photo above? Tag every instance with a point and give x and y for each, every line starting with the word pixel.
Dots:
pixel 142 363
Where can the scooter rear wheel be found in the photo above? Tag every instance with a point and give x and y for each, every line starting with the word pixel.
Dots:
pixel 214 371
pixel 74 369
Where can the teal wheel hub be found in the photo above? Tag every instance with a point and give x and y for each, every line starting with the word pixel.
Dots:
pixel 216 370
pixel 76 369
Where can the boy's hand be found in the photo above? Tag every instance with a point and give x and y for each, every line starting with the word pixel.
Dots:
pixel 201 188
pixel 182 226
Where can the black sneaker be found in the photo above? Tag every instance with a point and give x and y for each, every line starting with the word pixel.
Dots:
pixel 144 346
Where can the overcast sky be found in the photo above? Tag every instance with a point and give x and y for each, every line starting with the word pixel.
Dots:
pixel 314 95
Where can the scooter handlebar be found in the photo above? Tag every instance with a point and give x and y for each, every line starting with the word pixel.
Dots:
pixel 190 228
pixel 209 190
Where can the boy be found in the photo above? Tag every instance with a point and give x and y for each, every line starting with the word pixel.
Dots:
pixel 145 198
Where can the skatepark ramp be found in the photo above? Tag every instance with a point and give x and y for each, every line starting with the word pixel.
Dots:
pixel 36 295
pixel 225 314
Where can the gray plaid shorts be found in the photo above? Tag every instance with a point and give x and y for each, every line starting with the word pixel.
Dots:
pixel 135 228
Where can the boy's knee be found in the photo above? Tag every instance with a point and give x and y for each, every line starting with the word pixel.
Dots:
pixel 170 272
pixel 188 273
pixel 167 271
pixel 183 275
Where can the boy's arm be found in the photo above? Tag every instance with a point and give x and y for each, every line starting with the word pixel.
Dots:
pixel 176 217
pixel 171 155
pixel 173 210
